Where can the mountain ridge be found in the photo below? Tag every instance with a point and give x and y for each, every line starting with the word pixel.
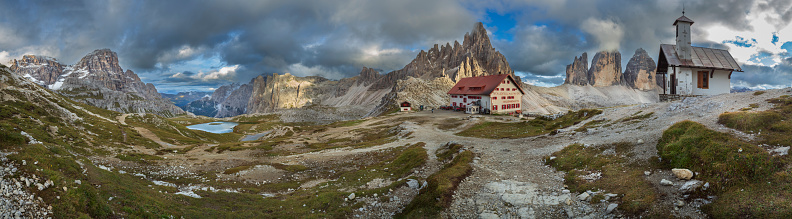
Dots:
pixel 96 79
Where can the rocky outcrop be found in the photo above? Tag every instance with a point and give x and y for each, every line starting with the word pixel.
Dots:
pixel 235 103
pixel 640 71
pixel 443 60
pixel 285 91
pixel 418 92
pixel 99 80
pixel 40 69
pixel 577 72
pixel 605 69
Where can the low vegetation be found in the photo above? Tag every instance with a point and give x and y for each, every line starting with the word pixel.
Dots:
pixel 636 117
pixel 593 124
pixel 747 180
pixel 450 124
pixel 618 175
pixel 437 195
pixel 447 151
pixel 772 126
pixel 538 126
pixel 759 93
pixel 137 157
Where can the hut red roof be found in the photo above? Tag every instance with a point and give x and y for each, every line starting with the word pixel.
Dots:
pixel 482 85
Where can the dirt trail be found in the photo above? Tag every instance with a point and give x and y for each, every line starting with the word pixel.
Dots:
pixel 150 135
pixel 122 118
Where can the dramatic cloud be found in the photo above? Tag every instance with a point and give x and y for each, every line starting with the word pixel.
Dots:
pixel 607 32
pixel 336 38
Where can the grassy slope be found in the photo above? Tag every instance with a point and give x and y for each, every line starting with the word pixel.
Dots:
pixel 539 126
pixel 746 179
pixel 63 158
pixel 618 176
pixel 438 193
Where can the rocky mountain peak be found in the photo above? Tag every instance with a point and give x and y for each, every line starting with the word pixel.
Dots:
pixel 577 72
pixel 103 60
pixel 641 71
pixel 368 76
pixel 605 69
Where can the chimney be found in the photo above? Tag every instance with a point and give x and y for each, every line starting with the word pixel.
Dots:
pixel 683 47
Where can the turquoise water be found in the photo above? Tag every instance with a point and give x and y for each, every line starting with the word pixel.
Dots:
pixel 215 127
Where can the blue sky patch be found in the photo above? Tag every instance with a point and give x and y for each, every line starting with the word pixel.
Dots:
pixel 503 23
pixel 742 42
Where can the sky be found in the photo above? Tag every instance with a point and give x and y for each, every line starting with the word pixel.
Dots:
pixel 200 45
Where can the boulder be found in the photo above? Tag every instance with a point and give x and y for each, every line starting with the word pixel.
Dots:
pixel 691 186
pixel 413 184
pixel 583 196
pixel 611 207
pixel 682 173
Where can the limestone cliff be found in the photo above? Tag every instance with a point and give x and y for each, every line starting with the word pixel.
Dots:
pixel 285 91
pixel 640 71
pixel 97 79
pixel 605 69
pixel 442 60
pixel 576 73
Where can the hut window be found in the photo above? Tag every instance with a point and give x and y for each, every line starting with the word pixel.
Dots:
pixel 703 80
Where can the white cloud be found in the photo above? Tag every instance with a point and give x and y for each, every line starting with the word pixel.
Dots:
pixel 226 73
pixel 301 70
pixel 185 52
pixel 762 31
pixel 608 33
pixel 5 57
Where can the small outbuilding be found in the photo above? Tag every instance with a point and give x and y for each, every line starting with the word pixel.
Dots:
pixel 691 70
pixel 405 106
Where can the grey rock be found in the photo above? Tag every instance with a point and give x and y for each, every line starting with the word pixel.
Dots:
pixel 413 184
pixel 610 208
pixel 666 182
pixel 351 196
pixel 680 203
pixel 691 186
pixel 583 196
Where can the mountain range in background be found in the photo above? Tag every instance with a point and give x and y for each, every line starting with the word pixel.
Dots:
pixel 369 93
pixel 181 99
pixel 97 79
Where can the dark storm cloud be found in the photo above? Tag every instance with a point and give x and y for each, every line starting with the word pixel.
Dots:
pixel 337 38
pixel 262 36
